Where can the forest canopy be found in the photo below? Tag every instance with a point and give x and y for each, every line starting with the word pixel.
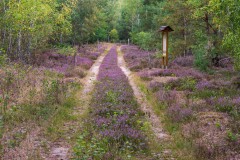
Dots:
pixel 209 29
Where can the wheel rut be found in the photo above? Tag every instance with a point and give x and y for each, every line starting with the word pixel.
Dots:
pixel 63 152
pixel 30 147
pixel 156 124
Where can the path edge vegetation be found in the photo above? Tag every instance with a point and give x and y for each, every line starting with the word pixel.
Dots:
pixel 178 146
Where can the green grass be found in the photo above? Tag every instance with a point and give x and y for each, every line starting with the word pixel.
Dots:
pixel 187 83
pixel 182 148
pixel 55 128
pixel 208 93
pixel 50 114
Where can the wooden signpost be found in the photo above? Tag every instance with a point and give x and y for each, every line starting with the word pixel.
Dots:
pixel 165 30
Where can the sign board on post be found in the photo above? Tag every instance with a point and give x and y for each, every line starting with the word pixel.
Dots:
pixel 164 43
pixel 165 30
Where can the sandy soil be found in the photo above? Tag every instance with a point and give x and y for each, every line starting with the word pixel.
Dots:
pixel 63 152
pixel 31 146
pixel 141 98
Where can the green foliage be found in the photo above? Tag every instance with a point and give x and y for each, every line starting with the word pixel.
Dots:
pixel 6 83
pixel 3 59
pixel 55 91
pixel 143 39
pixel 231 136
pixel 114 35
pixel 89 147
pixel 112 97
pixel 201 61
pixel 226 15
pixel 187 83
pixel 66 50
pixel 29 25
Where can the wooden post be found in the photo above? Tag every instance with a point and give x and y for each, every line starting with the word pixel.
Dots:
pixel 165 48
pixel 165 30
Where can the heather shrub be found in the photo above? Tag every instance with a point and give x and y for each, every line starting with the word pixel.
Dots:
pixel 179 113
pixel 224 104
pixel 94 56
pixel 85 63
pixel 167 97
pixel 155 86
pixel 236 82
pixel 144 75
pixel 187 83
pixel 75 72
pixel 80 73
pixel 205 85
pixel 115 121
pixel 139 59
pixel 183 61
pixel 162 72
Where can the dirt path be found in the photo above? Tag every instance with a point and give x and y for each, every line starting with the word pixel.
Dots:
pixel 63 152
pixel 141 98
pixel 31 146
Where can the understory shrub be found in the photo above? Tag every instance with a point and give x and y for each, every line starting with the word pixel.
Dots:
pixel 3 59
pixel 66 50
pixel 114 35
pixel 200 60
pixel 143 39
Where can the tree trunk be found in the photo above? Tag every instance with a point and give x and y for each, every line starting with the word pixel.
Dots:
pixel 19 45
pixel 208 33
pixel 75 57
pixel 4 31
pixel 185 36
pixel 61 38
pixel 10 43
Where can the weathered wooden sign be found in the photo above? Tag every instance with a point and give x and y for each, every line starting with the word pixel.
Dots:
pixel 165 30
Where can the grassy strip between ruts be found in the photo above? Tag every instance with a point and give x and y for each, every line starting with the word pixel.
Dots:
pixel 115 127
pixel 181 148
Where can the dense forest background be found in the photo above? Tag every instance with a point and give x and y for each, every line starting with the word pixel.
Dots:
pixel 209 29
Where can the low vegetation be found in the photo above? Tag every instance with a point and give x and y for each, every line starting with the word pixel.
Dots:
pixel 114 127
pixel 50 50
pixel 39 96
pixel 199 107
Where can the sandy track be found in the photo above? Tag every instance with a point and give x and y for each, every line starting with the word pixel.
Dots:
pixel 30 147
pixel 63 152
pixel 156 124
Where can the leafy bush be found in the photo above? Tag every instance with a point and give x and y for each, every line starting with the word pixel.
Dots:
pixel 114 35
pixel 201 60
pixel 55 91
pixel 143 39
pixel 3 59
pixel 66 50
